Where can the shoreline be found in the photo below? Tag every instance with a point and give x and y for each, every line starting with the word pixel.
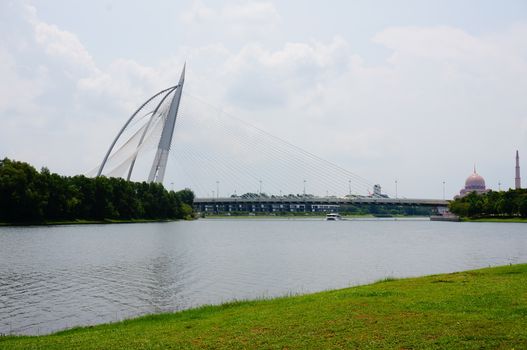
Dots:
pixel 85 222
pixel 506 219
pixel 248 217
pixel 482 309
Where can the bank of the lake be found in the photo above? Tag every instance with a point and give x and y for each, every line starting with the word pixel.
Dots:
pixel 90 222
pixel 496 219
pixel 479 309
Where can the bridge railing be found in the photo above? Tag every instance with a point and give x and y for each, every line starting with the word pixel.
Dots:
pixel 325 200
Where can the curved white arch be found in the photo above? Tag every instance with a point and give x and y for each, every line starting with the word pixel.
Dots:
pixel 170 89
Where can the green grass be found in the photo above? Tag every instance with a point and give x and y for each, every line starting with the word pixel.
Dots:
pixel 482 309
pixel 496 219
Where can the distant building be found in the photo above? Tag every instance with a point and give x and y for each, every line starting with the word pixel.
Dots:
pixel 517 179
pixel 377 192
pixel 473 183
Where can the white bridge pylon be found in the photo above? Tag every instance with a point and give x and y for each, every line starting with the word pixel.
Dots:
pixel 160 117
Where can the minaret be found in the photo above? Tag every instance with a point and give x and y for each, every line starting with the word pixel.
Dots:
pixel 517 180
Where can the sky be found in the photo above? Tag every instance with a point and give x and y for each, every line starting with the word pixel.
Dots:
pixel 413 91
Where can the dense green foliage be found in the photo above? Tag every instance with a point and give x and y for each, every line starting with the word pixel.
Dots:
pixel 29 196
pixel 491 204
pixel 483 309
pixel 380 210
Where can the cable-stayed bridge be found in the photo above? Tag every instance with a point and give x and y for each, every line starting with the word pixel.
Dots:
pixel 187 142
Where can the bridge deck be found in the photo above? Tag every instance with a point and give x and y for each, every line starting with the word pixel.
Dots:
pixel 322 201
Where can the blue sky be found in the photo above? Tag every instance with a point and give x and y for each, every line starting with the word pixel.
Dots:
pixel 417 91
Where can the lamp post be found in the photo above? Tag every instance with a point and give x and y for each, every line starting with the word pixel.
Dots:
pixel 396 189
pixel 217 189
pixel 304 197
pixel 443 190
pixel 260 193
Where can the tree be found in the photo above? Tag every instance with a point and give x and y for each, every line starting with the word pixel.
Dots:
pixel 29 196
pixel 186 196
pixel 21 200
pixel 509 203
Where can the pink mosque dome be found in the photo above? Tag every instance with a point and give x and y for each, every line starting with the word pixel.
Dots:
pixel 475 182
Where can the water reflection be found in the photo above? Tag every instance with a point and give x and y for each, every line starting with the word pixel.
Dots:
pixel 58 277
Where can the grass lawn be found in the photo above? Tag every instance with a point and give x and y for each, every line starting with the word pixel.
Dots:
pixel 482 309
pixel 496 219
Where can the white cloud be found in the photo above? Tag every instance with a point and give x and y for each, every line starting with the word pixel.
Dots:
pixel 436 43
pixel 18 91
pixel 247 19
pixel 292 74
pixel 198 13
pixel 45 94
pixel 62 45
pixel 249 12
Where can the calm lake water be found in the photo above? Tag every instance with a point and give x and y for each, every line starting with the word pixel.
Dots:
pixel 58 277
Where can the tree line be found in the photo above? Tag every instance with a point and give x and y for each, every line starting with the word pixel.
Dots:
pixel 30 196
pixel 502 203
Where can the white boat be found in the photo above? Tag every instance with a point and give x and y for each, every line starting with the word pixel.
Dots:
pixel 333 217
